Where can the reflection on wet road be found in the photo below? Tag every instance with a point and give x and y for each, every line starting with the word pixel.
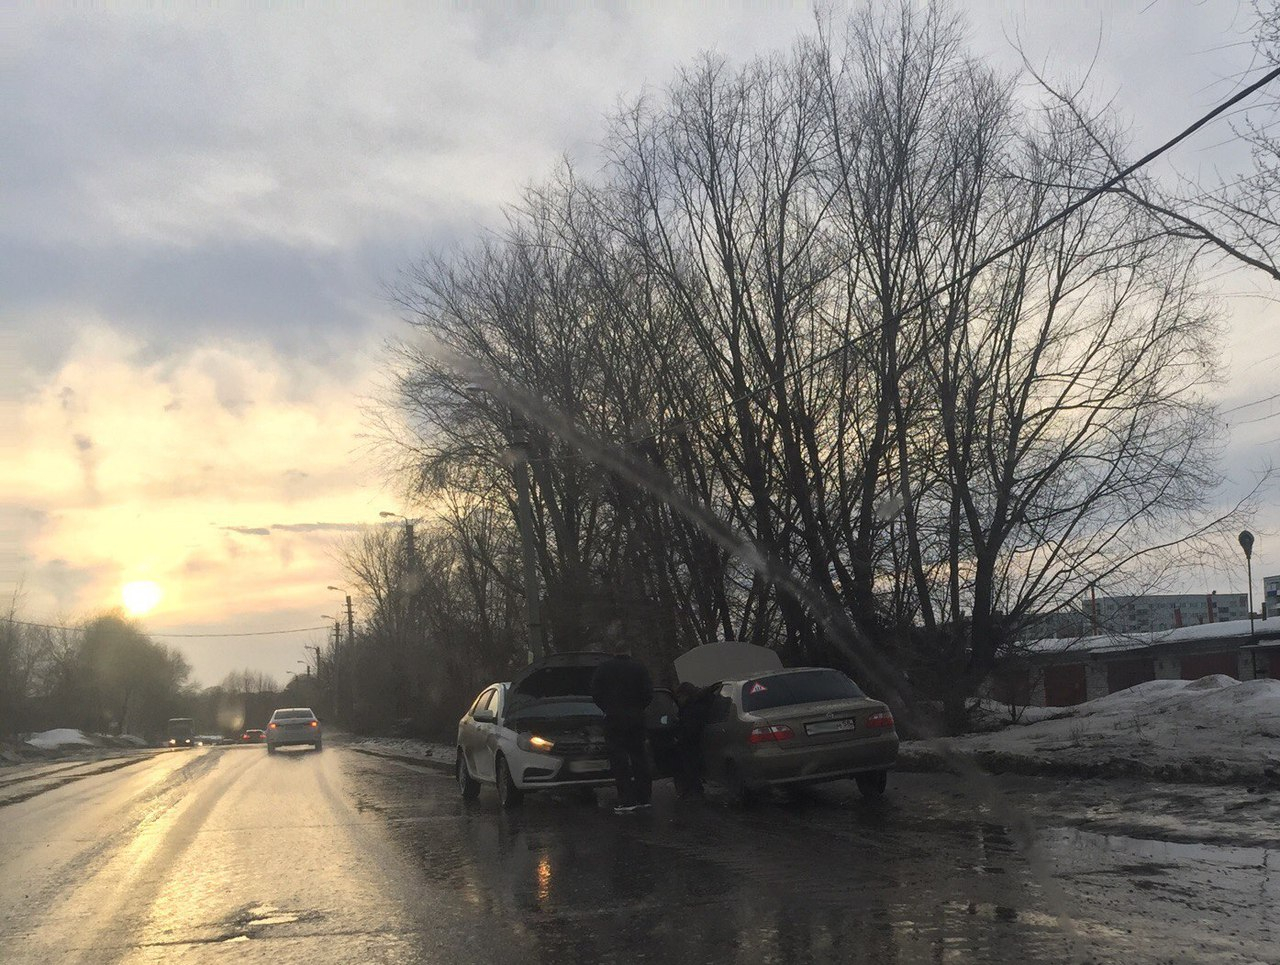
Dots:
pixel 221 854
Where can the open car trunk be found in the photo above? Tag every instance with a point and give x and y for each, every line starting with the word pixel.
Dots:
pixel 713 663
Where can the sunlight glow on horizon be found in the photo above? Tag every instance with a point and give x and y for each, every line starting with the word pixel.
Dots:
pixel 141 596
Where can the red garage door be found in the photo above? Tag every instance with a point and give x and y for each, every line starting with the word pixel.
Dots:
pixel 1202 664
pixel 1064 686
pixel 1123 674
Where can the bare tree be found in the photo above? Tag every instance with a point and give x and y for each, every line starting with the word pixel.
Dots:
pixel 803 366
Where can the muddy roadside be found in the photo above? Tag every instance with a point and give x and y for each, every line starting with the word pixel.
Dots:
pixel 1262 775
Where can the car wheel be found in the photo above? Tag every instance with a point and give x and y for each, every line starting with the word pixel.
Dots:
pixel 871 785
pixel 740 793
pixel 467 784
pixel 318 745
pixel 509 796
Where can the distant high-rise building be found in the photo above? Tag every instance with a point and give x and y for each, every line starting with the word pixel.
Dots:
pixel 1140 614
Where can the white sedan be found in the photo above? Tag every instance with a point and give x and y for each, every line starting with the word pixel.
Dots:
pixel 542 730
pixel 293 725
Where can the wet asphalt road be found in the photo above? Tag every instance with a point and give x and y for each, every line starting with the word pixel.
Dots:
pixel 226 854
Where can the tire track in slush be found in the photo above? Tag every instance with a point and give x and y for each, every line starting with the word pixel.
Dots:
pixel 159 840
pixel 58 778
pixel 61 892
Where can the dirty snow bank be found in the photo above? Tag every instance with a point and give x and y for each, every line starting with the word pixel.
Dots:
pixel 1212 729
pixel 407 747
pixel 60 737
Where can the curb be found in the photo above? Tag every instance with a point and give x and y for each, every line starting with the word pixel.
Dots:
pixel 442 766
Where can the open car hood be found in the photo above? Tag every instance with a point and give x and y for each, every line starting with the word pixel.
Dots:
pixel 713 662
pixel 554 678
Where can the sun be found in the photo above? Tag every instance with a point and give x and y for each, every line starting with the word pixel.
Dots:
pixel 140 596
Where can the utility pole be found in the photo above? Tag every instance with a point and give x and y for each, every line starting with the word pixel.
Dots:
pixel 337 666
pixel 403 646
pixel 528 550
pixel 524 519
pixel 351 648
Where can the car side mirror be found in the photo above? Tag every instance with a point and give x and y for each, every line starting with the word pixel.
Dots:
pixel 484 717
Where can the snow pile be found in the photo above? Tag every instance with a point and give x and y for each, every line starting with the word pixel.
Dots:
pixel 408 747
pixel 60 737
pixel 1207 729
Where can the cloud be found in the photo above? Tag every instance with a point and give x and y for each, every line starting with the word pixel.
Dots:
pixel 163 472
pixel 200 205
pixel 299 528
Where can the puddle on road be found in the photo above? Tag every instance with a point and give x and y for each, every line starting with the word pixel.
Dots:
pixel 259 915
pixel 276 920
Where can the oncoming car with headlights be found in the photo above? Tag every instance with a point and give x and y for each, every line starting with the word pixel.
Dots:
pixel 543 731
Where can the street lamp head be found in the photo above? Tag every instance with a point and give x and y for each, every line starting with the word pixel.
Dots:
pixel 386 515
pixel 338 588
pixel 1246 543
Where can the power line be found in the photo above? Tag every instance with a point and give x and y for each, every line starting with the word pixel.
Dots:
pixel 1259 418
pixel 250 633
pixel 1012 246
pixel 1250 405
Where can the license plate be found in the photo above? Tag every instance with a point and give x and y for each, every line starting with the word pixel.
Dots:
pixel 584 767
pixel 830 726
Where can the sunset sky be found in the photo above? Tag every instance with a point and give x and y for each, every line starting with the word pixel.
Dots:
pixel 204 201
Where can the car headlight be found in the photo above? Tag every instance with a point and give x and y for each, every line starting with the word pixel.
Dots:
pixel 532 742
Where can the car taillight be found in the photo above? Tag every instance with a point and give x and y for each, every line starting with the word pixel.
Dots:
pixel 272 725
pixel 771 734
pixel 880 719
pixel 315 723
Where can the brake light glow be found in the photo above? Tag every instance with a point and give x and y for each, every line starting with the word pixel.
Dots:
pixel 315 723
pixel 880 719
pixel 771 734
pixel 272 725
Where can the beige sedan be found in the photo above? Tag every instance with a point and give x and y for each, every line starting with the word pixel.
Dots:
pixel 779 728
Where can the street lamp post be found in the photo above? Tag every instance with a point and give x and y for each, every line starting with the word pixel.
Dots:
pixel 1246 544
pixel 351 619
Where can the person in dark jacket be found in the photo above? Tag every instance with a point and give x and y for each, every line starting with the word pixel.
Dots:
pixel 622 688
pixel 695 712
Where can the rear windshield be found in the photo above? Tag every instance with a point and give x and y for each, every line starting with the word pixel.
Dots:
pixel 807 687
pixel 293 715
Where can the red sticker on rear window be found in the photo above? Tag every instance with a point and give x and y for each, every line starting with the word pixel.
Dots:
pixel 757 688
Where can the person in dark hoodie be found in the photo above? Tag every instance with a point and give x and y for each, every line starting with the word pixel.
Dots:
pixel 622 688
pixel 695 712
